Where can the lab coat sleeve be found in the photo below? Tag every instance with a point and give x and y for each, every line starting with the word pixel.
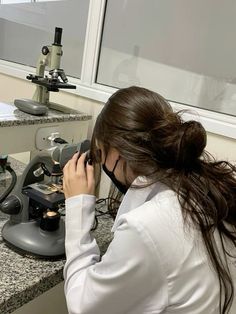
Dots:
pixel 128 272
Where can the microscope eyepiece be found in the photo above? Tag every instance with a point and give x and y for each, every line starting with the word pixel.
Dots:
pixel 57 36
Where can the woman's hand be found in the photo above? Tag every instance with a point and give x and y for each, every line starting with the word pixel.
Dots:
pixel 78 178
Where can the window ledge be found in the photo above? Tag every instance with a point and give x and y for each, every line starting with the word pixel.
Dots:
pixel 214 122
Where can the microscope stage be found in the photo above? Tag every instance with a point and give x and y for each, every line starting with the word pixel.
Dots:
pixel 51 200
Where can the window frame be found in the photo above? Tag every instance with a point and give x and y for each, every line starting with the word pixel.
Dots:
pixel 214 122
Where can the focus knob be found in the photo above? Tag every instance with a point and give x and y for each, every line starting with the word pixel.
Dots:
pixel 11 205
pixel 50 221
pixel 45 50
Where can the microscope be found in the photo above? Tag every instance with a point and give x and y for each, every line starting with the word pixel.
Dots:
pixel 50 57
pixel 36 203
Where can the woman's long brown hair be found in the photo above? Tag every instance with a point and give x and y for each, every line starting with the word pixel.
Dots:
pixel 155 142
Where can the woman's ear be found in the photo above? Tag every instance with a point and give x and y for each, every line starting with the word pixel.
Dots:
pixel 111 157
pixel 115 153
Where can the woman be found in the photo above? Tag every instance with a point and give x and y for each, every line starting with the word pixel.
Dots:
pixel 174 235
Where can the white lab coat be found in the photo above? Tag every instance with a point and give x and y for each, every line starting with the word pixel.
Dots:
pixel 153 265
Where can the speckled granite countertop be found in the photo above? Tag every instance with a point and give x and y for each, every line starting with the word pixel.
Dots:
pixel 11 116
pixel 23 278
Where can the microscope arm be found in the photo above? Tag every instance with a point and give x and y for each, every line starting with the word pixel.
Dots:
pixel 41 93
pixel 43 61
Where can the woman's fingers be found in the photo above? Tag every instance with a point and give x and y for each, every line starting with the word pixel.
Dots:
pixel 73 162
pixel 90 177
pixel 78 177
pixel 80 167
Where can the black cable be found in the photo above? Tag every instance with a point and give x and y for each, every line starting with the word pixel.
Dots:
pixel 12 184
pixel 95 225
pixel 60 140
pixel 109 213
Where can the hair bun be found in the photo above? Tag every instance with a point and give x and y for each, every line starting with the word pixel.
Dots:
pixel 177 144
pixel 192 141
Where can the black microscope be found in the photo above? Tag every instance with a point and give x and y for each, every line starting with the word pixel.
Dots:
pixel 35 204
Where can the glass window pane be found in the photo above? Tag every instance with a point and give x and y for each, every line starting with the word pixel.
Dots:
pixel 185 50
pixel 26 28
pixel 13 1
pixel 22 1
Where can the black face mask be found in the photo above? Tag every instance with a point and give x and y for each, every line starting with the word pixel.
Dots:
pixel 120 186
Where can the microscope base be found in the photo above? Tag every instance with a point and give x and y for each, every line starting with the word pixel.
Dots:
pixel 28 237
pixel 31 106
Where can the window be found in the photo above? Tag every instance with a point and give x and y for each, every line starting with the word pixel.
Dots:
pixel 14 1
pixel 26 27
pixel 185 50
pixel 23 1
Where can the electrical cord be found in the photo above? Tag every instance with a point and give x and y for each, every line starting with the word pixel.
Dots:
pixel 12 184
pixel 109 212
pixel 60 140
